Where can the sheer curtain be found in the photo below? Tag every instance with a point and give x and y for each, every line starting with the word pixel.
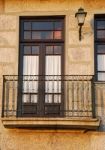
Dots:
pixel 101 67
pixel 30 69
pixel 53 87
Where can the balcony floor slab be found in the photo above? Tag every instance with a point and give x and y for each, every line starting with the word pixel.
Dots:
pixel 52 123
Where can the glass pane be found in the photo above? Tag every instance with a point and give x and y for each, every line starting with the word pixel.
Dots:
pixel 30 86
pixel 48 98
pixel 81 18
pixel 58 25
pixel 26 98
pixel 101 34
pixel 100 48
pixel 49 49
pixel 36 35
pixel 57 49
pixel 57 98
pixel 101 76
pixel 47 35
pixel 100 24
pixel 53 86
pixel 34 98
pixel 42 35
pixel 35 49
pixel 27 35
pixel 27 50
pixel 57 34
pixel 42 25
pixel 101 62
pixel 27 25
pixel 53 65
pixel 31 65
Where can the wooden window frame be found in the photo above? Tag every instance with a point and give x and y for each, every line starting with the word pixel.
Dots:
pixel 42 43
pixel 98 17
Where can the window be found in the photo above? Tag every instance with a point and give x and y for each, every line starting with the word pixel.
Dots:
pixel 100 47
pixel 41 66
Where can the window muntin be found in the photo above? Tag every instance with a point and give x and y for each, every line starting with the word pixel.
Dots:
pixel 42 30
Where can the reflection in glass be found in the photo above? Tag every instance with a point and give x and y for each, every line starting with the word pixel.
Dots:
pixel 42 35
pixel 42 25
pixel 57 35
pixel 101 48
pixel 27 25
pixel 36 35
pixel 100 24
pixel 57 49
pixel 47 35
pixel 35 49
pixel 49 49
pixel 58 25
pixel 27 50
pixel 101 34
pixel 27 35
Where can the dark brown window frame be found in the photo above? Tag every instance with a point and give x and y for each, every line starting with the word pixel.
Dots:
pixel 98 41
pixel 41 43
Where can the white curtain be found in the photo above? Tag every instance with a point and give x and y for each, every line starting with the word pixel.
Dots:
pixel 30 67
pixel 53 67
pixel 101 76
pixel 101 67
pixel 101 62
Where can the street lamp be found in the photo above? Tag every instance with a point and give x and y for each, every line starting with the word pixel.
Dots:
pixel 80 15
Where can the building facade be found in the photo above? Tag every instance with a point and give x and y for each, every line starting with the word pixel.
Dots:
pixel 52 82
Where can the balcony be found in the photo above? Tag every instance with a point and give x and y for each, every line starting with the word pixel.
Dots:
pixel 49 102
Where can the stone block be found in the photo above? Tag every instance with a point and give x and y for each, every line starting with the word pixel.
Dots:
pixel 94 5
pixel 80 54
pixel 8 39
pixel 8 22
pixel 72 22
pixel 11 69
pixel 35 5
pixel 87 37
pixel 8 55
pixel 79 69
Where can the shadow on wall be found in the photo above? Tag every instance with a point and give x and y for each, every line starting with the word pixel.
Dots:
pixel 89 31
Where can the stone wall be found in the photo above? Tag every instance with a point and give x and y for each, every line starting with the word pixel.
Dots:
pixel 79 58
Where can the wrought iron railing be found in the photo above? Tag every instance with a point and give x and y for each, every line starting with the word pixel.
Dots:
pixel 48 96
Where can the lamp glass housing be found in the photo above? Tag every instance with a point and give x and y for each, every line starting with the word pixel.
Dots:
pixel 80 15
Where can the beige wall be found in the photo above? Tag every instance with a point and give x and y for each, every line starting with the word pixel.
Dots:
pixel 79 58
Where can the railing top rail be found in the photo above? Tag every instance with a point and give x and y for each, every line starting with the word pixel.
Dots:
pixel 48 77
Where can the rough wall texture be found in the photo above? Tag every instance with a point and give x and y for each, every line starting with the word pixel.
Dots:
pixel 79 58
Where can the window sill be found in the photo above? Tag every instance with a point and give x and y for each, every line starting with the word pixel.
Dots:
pixel 52 123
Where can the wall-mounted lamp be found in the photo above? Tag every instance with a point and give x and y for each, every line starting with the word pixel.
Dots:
pixel 80 15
